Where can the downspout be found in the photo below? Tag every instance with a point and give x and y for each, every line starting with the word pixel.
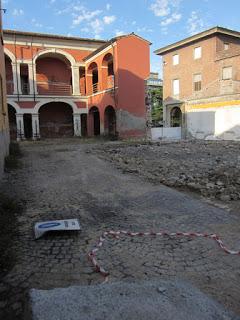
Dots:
pixel 15 50
pixel 33 77
pixel 114 83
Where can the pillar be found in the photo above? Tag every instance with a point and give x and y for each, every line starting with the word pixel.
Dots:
pixel 35 126
pixel 32 78
pixel 77 124
pixel 20 126
pixel 16 84
pixel 75 80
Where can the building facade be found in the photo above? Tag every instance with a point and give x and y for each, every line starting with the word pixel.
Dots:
pixel 61 86
pixel 201 91
pixel 4 129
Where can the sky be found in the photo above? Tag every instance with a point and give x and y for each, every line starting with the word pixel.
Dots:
pixel 162 22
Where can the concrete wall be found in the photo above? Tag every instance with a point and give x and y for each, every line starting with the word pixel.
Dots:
pixel 4 131
pixel 166 133
pixel 214 123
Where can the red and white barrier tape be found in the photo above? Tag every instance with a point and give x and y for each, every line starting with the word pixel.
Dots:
pixel 116 234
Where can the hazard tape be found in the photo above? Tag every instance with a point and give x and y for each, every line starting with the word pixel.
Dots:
pixel 117 234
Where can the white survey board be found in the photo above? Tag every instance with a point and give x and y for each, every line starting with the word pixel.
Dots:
pixel 55 225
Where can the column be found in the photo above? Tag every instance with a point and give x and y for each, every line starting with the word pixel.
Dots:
pixel 35 126
pixel 20 127
pixel 75 80
pixel 14 72
pixel 32 78
pixel 77 124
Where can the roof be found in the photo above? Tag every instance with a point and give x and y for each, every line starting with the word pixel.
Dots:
pixel 51 36
pixel 111 41
pixel 197 37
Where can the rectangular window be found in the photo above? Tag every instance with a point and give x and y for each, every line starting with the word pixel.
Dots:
pixel 197 82
pixel 176 87
pixel 226 45
pixel 176 59
pixel 197 53
pixel 227 73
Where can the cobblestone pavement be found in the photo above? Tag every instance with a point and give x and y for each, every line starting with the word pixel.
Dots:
pixel 63 179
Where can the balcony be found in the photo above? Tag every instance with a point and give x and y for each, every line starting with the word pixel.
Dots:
pixel 54 88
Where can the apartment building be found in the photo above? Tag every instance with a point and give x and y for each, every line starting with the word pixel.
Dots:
pixel 201 91
pixel 4 132
pixel 60 86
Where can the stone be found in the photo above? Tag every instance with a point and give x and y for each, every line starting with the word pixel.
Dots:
pixel 124 301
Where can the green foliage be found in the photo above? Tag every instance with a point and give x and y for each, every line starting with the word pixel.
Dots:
pixel 156 104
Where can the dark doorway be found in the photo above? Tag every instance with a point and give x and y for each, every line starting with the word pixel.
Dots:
pixel 56 120
pixel 12 122
pixel 110 121
pixel 95 121
pixel 27 120
pixel 84 125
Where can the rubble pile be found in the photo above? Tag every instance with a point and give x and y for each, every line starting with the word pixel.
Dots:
pixel 211 168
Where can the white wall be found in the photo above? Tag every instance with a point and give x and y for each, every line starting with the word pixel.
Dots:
pixel 215 123
pixel 166 133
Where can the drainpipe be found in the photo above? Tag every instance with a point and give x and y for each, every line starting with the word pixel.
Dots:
pixel 33 77
pixel 15 50
pixel 114 83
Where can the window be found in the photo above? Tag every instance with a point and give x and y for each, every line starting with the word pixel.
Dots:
pixel 226 45
pixel 176 87
pixel 176 59
pixel 227 73
pixel 197 82
pixel 197 53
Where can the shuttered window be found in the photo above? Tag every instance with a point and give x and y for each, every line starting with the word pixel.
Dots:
pixel 176 59
pixel 176 87
pixel 227 73
pixel 197 82
pixel 197 53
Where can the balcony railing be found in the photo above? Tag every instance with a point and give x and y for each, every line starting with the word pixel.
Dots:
pixel 54 88
pixel 9 87
pixel 25 88
pixel 95 87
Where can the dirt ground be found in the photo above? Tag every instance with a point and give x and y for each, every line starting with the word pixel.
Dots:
pixel 112 186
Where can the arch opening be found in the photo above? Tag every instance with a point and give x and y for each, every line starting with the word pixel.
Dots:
pixel 53 75
pixel 9 75
pixel 56 120
pixel 176 117
pixel 93 73
pixel 110 121
pixel 108 71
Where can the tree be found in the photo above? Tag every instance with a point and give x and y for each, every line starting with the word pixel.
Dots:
pixel 156 105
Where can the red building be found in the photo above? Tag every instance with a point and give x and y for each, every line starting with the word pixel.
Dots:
pixel 61 86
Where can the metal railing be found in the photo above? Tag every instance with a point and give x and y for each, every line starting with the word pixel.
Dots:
pixel 95 87
pixel 54 88
pixel 25 88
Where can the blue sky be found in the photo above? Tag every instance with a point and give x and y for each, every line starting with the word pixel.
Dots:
pixel 160 21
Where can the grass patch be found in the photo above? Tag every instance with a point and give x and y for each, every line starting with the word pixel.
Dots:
pixel 12 161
